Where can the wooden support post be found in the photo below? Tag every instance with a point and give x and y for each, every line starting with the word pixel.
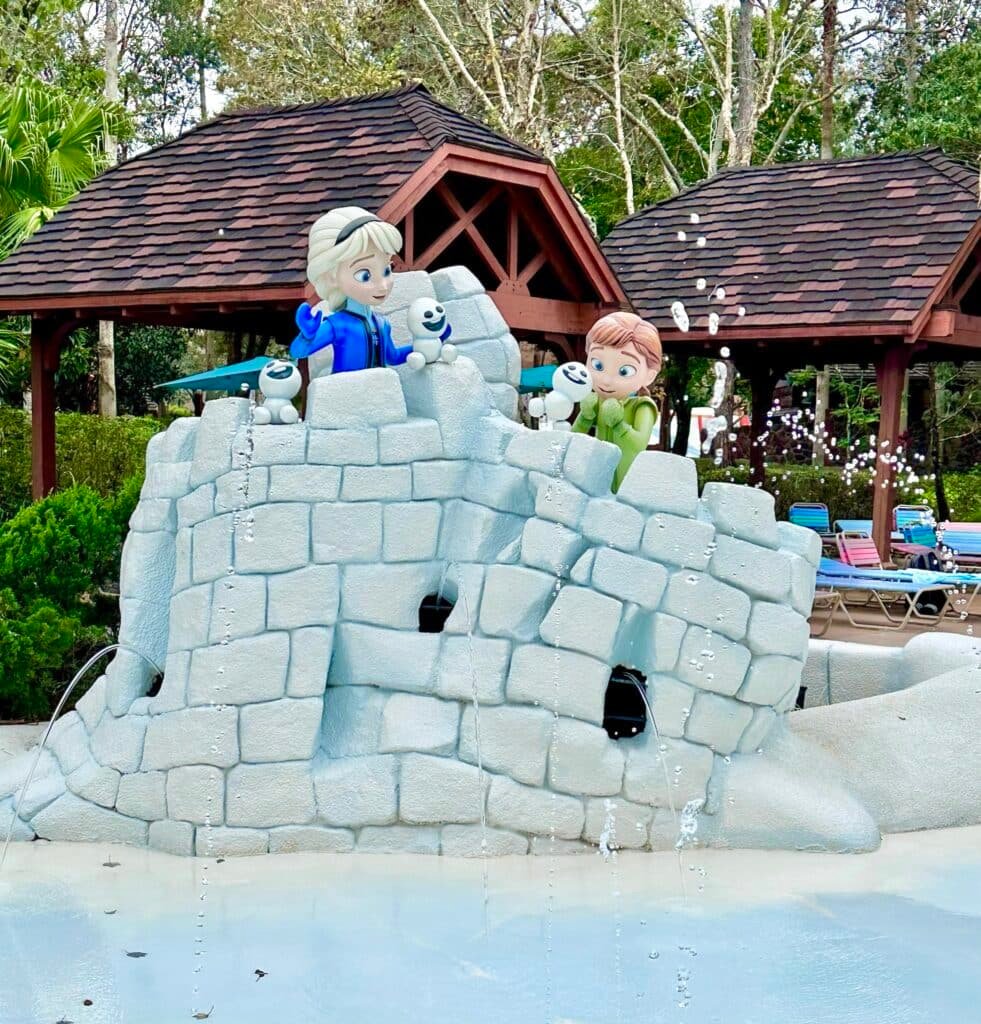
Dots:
pixel 45 353
pixel 890 372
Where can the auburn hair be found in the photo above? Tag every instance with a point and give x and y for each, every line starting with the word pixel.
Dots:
pixel 619 329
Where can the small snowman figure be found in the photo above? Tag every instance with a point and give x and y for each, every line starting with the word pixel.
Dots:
pixel 570 384
pixel 429 328
pixel 279 382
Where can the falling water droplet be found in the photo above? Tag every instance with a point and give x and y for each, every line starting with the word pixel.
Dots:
pixel 680 315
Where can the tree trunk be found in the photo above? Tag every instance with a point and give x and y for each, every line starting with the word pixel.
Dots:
pixel 682 409
pixel 828 46
pixel 106 348
pixel 822 398
pixel 935 443
pixel 664 424
pixel 745 86
pixel 761 381
pixel 910 47
pixel 202 82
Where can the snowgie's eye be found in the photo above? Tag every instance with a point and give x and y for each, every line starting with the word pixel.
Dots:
pixel 439 309
pixel 428 315
pixel 363 276
pixel 627 371
pixel 597 365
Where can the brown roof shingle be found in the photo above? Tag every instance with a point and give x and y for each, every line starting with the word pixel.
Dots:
pixel 229 203
pixel 855 241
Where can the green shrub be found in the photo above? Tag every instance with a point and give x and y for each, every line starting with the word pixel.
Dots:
pixel 99 453
pixel 964 496
pixel 56 556
pixel 846 499
pixel 38 646
pixel 60 549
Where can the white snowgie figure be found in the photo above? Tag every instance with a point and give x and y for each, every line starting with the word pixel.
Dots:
pixel 570 384
pixel 429 330
pixel 279 382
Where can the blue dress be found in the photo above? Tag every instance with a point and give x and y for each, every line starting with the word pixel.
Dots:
pixel 361 338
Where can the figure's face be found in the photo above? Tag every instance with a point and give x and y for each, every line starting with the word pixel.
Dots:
pixel 572 380
pixel 279 379
pixel 426 317
pixel 367 279
pixel 618 372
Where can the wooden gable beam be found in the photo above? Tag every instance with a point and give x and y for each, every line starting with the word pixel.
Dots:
pixel 941 288
pixel 532 174
pixel 464 221
pixel 967 283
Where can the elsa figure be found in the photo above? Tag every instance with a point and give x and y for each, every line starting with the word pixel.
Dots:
pixel 349 263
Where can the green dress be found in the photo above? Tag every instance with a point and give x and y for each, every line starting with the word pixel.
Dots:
pixel 631 435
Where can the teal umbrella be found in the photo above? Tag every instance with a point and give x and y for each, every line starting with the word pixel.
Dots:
pixel 221 378
pixel 536 378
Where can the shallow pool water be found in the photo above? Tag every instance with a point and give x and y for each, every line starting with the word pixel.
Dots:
pixel 889 938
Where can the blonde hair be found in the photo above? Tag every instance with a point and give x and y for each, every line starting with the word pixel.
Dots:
pixel 619 329
pixel 325 254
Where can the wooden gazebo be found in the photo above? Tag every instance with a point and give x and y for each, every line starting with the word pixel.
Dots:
pixel 873 260
pixel 209 231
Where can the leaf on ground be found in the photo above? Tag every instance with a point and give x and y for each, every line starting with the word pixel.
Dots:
pixel 86 1002
pixel 201 1015
pixel 136 954
pixel 110 863
pixel 109 912
pixel 260 974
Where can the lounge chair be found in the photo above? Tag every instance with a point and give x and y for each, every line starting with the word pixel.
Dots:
pixel 911 515
pixel 813 515
pixel 882 588
pixel 861 526
pixel 949 542
pixel 826 601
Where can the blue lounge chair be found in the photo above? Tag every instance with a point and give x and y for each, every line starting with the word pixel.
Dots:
pixel 906 587
pixel 812 515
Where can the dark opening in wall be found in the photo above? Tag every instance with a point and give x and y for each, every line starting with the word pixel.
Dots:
pixel 155 685
pixel 433 613
pixel 624 712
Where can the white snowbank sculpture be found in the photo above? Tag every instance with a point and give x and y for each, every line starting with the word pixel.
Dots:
pixel 278 572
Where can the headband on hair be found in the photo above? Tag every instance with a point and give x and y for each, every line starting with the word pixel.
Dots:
pixel 351 226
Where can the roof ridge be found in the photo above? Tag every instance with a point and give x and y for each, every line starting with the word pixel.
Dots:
pixel 438 106
pixel 922 154
pixel 962 165
pixel 335 101
pixel 434 139
pixel 833 161
pixel 230 115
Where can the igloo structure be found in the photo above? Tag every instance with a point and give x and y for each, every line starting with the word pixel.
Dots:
pixel 277 574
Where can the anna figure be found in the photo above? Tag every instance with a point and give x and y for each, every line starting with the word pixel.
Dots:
pixel 623 354
pixel 349 263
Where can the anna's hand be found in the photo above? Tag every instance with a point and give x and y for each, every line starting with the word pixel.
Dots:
pixel 587 407
pixel 611 413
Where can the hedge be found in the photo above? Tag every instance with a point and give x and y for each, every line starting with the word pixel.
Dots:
pixel 848 499
pixel 57 559
pixel 92 451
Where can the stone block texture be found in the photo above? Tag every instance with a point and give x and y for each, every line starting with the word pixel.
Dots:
pixel 391 628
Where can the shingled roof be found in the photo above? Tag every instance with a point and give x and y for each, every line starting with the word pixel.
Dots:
pixel 228 203
pixel 821 244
